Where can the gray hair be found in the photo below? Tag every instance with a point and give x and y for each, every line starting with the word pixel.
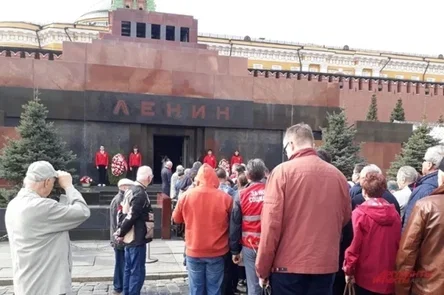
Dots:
pixel 256 169
pixel 187 171
pixel 197 165
pixel 169 164
pixel 372 168
pixel 434 155
pixel 407 174
pixel 143 173
pixel 392 185
pixel 301 133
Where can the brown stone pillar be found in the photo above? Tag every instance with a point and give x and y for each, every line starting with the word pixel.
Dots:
pixel 165 203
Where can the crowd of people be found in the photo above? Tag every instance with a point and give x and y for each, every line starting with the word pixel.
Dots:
pixel 305 229
pixel 302 229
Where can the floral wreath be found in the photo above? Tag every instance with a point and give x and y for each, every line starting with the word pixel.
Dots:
pixel 86 180
pixel 118 165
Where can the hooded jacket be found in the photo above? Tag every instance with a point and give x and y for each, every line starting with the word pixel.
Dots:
pixel 371 256
pixel 205 210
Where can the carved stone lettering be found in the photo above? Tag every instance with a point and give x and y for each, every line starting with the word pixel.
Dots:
pixel 173 110
pixel 146 108
pixel 121 106
pixel 198 112
pixel 223 112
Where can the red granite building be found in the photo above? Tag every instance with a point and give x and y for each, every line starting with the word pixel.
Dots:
pixel 148 82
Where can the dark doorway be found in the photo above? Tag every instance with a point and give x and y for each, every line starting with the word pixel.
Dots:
pixel 166 146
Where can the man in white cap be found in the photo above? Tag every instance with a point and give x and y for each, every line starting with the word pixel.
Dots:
pixel 38 228
pixel 119 247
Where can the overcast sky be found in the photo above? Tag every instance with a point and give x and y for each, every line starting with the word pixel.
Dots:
pixel 391 25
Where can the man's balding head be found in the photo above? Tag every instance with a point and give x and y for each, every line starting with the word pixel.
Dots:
pixel 298 137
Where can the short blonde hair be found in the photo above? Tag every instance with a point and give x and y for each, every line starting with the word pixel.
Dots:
pixel 301 133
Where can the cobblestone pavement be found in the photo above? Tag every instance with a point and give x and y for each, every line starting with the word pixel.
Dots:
pixel 160 287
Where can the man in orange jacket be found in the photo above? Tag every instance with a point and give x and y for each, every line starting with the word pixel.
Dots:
pixel 205 210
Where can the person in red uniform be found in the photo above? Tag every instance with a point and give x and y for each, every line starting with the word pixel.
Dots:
pixel 245 223
pixel 210 159
pixel 102 160
pixel 236 158
pixel 135 161
pixel 370 259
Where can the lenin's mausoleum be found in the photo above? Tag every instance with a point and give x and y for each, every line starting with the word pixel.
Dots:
pixel 123 75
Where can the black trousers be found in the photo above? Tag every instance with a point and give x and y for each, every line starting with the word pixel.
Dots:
pixel 231 276
pixel 133 173
pixel 102 174
pixel 242 274
pixel 339 284
pixel 362 291
pixel 302 284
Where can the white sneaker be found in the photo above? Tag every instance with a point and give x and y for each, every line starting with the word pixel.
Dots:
pixel 99 184
pixel 103 185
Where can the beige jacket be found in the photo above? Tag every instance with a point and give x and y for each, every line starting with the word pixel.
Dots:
pixel 39 240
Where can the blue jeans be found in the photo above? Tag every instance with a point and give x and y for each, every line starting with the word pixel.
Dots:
pixel 249 258
pixel 134 277
pixel 205 275
pixel 119 269
pixel 301 284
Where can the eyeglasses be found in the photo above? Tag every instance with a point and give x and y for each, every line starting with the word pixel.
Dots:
pixel 284 151
pixel 285 147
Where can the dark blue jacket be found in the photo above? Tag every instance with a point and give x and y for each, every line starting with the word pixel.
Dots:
pixel 166 180
pixel 358 199
pixel 355 190
pixel 424 187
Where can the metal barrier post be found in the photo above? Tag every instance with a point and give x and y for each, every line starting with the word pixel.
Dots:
pixel 149 259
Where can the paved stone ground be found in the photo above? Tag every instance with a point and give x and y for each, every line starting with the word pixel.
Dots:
pixel 94 261
pixel 160 287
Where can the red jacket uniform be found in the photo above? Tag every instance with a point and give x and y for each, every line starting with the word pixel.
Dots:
pixel 135 160
pixel 236 160
pixel 210 160
pixel 102 159
pixel 371 256
pixel 251 202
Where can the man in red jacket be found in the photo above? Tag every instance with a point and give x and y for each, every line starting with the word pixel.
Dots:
pixel 245 224
pixel 210 159
pixel 102 161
